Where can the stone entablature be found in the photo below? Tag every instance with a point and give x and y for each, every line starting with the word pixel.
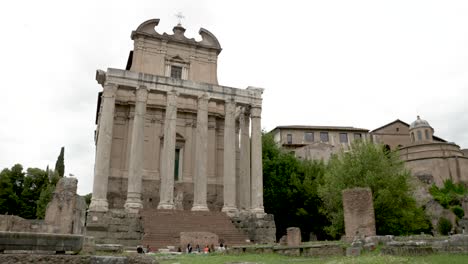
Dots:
pixel 160 85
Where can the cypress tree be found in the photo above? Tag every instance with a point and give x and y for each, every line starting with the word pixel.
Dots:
pixel 60 164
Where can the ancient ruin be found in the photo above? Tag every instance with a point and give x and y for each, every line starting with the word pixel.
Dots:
pixel 169 137
pixel 358 210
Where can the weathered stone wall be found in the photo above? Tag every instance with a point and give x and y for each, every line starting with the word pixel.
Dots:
pixel 17 224
pixel 261 230
pixel 358 210
pixel 66 210
pixel 74 259
pixel 114 227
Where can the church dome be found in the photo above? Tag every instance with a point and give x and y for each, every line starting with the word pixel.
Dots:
pixel 419 123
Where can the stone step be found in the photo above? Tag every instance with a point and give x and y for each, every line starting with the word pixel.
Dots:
pixel 163 227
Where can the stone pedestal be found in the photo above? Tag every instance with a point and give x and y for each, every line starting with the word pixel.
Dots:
pixel 260 230
pixel 358 209
pixel 294 238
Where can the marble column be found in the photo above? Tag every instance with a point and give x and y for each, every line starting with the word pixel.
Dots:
pixel 133 203
pixel 166 190
pixel 256 162
pixel 244 184
pixel 103 150
pixel 229 179
pixel 201 156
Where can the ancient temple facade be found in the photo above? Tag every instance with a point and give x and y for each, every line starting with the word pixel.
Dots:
pixel 170 137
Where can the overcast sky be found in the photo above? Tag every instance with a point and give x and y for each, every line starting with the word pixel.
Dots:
pixel 339 63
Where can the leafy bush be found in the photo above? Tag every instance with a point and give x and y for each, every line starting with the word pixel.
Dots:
pixel 444 226
pixel 458 211
pixel 450 194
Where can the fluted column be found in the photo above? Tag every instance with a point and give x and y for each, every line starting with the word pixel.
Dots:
pixel 229 179
pixel 201 156
pixel 256 161
pixel 135 171
pixel 244 184
pixel 103 150
pixel 166 190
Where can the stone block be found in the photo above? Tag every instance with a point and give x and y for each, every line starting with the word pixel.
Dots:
pixel 358 212
pixel 114 248
pixel 353 251
pixel 40 241
pixel 293 236
pixel 66 211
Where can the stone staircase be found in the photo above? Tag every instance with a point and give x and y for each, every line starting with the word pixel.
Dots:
pixel 162 227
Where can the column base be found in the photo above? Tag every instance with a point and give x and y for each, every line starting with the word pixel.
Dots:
pixel 98 205
pixel 259 212
pixel 230 210
pixel 166 206
pixel 133 206
pixel 200 207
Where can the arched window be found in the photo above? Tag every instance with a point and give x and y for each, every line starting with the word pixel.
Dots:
pixel 419 135
pixel 412 136
pixel 427 134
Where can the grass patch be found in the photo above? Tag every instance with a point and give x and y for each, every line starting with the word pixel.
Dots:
pixel 279 259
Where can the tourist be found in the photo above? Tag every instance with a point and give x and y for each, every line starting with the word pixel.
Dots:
pixel 206 250
pixel 197 249
pixel 189 248
pixel 140 250
pixel 221 248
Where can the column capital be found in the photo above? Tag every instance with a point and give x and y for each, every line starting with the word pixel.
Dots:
pixel 173 93
pixel 141 94
pixel 230 100
pixel 109 90
pixel 204 97
pixel 256 111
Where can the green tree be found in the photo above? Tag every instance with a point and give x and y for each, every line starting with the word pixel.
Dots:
pixel 35 180
pixel 46 193
pixel 9 200
pixel 20 190
pixel 369 165
pixel 290 190
pixel 60 163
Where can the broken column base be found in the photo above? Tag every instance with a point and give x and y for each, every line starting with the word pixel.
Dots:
pixel 260 230
pixel 115 227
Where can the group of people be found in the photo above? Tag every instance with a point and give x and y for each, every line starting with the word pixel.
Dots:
pixel 207 249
